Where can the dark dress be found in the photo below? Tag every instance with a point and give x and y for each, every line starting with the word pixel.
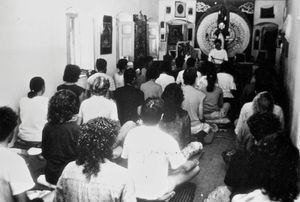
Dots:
pixel 128 98
pixel 74 88
pixel 59 147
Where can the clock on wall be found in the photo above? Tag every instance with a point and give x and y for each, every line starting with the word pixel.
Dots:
pixel 180 9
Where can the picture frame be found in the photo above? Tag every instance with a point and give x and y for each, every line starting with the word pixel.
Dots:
pixel 190 11
pixel 180 9
pixel 168 9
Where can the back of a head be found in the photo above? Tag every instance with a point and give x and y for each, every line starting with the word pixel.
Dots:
pixel 8 122
pixel 189 76
pixel 263 124
pixel 152 110
pixel 129 76
pixel 152 73
pixel 71 73
pixel 211 81
pixel 179 61
pixel 63 105
pixel 166 67
pixel 95 144
pixel 263 102
pixel 36 85
pixel 101 65
pixel 122 64
pixel 173 98
pixel 100 86
pixel 190 62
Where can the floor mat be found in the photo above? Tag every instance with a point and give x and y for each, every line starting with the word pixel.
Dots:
pixel 184 193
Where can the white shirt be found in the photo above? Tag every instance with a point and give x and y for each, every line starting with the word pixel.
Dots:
pixel 226 82
pixel 33 115
pixel 92 78
pixel 119 80
pixel 14 175
pixel 164 79
pixel 98 106
pixel 217 56
pixel 179 79
pixel 150 151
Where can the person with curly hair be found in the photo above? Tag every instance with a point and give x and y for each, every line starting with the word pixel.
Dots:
pixel 33 115
pixel 98 105
pixel 60 134
pixel 70 77
pixel 176 121
pixel 151 152
pixel 92 176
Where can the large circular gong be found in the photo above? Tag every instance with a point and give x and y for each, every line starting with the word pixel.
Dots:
pixel 236 41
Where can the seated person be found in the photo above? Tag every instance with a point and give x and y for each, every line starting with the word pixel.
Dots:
pixel 92 176
pixel 101 66
pixel 119 76
pixel 213 106
pixel 193 102
pixel 150 151
pixel 150 88
pixel 15 178
pixel 175 121
pixel 190 63
pixel 269 171
pixel 14 182
pixel 71 76
pixel 60 134
pixel 33 115
pixel 165 77
pixel 128 98
pixel 98 105
pixel 263 102
pixel 226 82
pixel 217 55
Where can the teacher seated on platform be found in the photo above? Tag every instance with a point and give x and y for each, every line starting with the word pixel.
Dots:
pixel 217 55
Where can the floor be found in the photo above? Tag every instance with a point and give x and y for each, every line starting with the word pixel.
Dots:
pixel 212 165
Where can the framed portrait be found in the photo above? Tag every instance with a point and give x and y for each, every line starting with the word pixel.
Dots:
pixel 168 9
pixel 190 11
pixel 180 9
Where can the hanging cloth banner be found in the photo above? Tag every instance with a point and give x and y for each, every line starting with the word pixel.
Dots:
pixel 106 36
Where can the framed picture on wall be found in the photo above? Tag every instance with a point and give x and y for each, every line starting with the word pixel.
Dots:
pixel 168 10
pixel 180 9
pixel 190 11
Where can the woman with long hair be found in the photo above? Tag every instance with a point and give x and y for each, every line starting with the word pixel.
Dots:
pixel 92 176
pixel 60 134
pixel 213 106
pixel 175 120
pixel 33 115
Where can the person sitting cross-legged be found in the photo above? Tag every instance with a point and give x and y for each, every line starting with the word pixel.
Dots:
pixel 15 178
pixel 98 105
pixel 150 151
pixel 92 176
pixel 128 98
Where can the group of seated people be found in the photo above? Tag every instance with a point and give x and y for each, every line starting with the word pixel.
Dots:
pixel 156 122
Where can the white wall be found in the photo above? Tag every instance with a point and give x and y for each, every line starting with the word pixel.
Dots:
pixel 292 72
pixel 33 40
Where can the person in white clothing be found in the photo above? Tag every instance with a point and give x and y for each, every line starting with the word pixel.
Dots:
pixel 165 78
pixel 119 76
pixel 98 105
pixel 33 115
pixel 150 151
pixel 15 178
pixel 217 55
pixel 190 63
pixel 101 66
